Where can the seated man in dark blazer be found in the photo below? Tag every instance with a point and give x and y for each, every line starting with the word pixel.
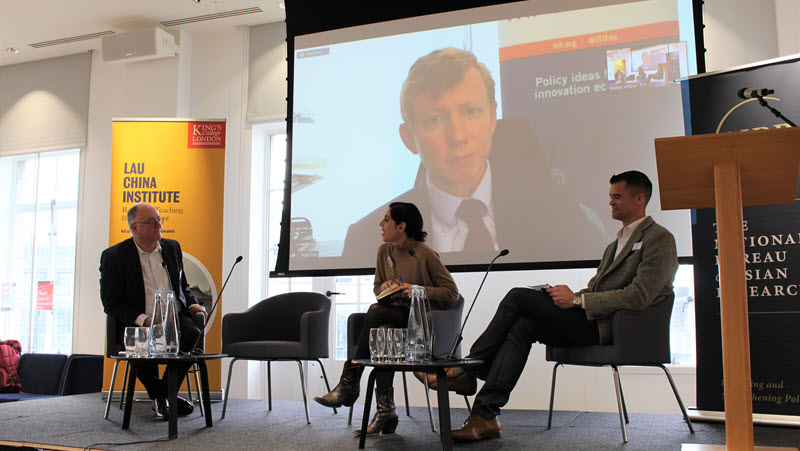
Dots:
pixel 483 183
pixel 130 272
pixel 636 271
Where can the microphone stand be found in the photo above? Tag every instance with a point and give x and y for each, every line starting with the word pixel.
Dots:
pixel 452 355
pixel 774 111
pixel 194 349
pixel 428 301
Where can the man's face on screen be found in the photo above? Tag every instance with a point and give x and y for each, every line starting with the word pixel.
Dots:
pixel 452 133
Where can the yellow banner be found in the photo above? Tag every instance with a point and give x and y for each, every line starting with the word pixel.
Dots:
pixel 178 166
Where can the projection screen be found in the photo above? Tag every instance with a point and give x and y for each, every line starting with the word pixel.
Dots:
pixel 579 95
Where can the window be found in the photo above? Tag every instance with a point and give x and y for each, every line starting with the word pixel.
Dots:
pixel 38 229
pixel 355 296
pixel 682 326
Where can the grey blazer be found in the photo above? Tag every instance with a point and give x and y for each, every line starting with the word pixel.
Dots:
pixel 635 280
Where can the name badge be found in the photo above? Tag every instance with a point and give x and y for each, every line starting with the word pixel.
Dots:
pixel 637 246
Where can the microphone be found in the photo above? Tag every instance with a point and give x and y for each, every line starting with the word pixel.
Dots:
pixel 749 93
pixel 421 269
pixel 194 349
pixel 169 279
pixel 452 355
pixel 424 280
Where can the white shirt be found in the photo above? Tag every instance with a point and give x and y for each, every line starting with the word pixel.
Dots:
pixel 625 233
pixel 448 231
pixel 155 277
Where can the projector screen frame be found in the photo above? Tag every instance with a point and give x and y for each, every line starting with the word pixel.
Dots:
pixel 314 16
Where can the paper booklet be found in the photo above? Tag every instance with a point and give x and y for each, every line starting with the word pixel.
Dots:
pixel 541 287
pixel 393 288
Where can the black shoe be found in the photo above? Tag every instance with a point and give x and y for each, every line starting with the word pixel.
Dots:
pixel 185 407
pixel 160 408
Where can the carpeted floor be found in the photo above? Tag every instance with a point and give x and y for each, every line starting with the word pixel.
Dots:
pixel 77 422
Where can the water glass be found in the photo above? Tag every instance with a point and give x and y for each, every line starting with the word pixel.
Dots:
pixel 130 341
pixel 399 344
pixel 377 343
pixel 142 341
pixel 388 354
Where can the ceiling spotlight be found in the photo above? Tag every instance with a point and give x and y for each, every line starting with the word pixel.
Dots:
pixel 282 5
pixel 196 1
pixel 12 50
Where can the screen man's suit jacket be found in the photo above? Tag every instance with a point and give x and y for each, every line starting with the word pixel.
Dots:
pixel 640 276
pixel 122 284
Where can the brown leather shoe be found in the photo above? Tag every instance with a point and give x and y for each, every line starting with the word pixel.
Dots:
pixel 458 380
pixel 477 428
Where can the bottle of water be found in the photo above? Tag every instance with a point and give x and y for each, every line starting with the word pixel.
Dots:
pixel 417 338
pixel 171 331
pixel 158 342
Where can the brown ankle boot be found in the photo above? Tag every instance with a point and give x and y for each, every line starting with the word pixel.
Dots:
pixel 385 419
pixel 347 391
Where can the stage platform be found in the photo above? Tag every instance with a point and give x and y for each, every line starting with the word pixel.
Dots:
pixel 76 422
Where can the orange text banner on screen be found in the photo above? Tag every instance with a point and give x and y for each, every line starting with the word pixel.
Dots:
pixel 178 165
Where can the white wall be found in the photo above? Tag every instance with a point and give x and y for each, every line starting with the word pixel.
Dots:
pixel 737 32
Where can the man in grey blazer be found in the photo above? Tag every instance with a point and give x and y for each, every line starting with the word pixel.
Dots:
pixel 636 271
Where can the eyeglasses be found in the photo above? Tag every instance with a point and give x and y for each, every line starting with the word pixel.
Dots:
pixel 152 223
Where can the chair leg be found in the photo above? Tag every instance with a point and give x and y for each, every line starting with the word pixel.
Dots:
pixel 678 397
pixel 430 409
pixel 269 384
pixel 552 396
pixel 622 397
pixel 189 387
pixel 124 386
pixel 325 377
pixel 111 389
pixel 199 393
pixel 303 386
pixel 350 416
pixel 466 400
pixel 227 388
pixel 405 391
pixel 619 404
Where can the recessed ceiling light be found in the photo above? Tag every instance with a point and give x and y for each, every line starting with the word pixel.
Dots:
pixel 12 50
pixel 282 5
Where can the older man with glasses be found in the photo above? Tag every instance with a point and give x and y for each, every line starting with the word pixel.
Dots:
pixel 130 272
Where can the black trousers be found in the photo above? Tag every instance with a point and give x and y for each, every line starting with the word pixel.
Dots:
pixel 523 317
pixel 148 373
pixel 380 315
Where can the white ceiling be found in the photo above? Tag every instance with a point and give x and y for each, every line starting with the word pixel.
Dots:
pixel 24 22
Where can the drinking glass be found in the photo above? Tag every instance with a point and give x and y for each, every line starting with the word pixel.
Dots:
pixel 388 353
pixel 399 344
pixel 377 341
pixel 381 344
pixel 142 341
pixel 130 341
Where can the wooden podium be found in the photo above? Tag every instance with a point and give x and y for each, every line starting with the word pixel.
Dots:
pixel 727 171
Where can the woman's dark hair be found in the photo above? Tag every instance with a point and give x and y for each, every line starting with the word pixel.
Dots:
pixel 408 213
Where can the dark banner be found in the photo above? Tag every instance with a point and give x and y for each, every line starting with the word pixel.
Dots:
pixel 772 246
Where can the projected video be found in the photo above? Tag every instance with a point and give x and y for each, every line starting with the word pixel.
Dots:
pixel 529 115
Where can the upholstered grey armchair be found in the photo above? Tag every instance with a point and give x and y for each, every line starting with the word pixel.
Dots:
pixel 641 338
pixel 291 326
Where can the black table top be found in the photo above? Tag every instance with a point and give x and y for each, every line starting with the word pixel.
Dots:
pixel 173 358
pixel 431 365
